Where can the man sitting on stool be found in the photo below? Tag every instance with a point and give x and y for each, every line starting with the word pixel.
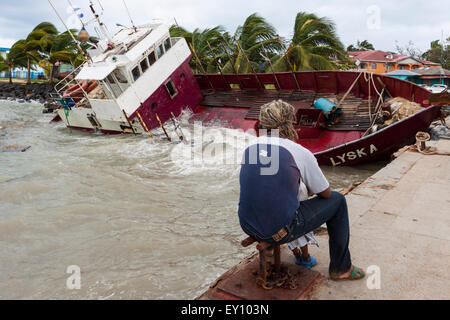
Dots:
pixel 269 209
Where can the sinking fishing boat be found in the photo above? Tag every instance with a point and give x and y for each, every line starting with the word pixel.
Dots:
pixel 140 78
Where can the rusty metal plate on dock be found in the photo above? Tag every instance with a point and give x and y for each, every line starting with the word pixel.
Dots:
pixel 242 284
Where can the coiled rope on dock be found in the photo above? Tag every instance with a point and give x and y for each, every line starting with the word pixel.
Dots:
pixel 420 146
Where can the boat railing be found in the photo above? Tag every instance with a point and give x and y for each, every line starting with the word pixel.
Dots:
pixel 68 82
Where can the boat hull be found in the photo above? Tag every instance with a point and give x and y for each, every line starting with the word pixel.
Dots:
pixel 331 148
pixel 381 144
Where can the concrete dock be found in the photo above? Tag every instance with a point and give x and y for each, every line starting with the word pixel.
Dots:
pixel 400 222
pixel 400 234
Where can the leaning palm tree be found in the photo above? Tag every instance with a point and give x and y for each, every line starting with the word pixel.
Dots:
pixel 29 49
pixel 15 58
pixel 361 46
pixel 54 47
pixel 315 45
pixel 205 45
pixel 57 49
pixel 256 37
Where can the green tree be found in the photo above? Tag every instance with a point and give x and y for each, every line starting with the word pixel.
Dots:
pixel 15 58
pixel 439 52
pixel 57 49
pixel 361 46
pixel 54 47
pixel 253 40
pixel 198 41
pixel 314 46
pixel 29 49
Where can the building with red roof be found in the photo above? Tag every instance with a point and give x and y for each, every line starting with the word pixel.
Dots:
pixel 378 61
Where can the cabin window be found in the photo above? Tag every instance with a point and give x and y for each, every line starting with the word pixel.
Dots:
pixel 110 79
pixel 160 51
pixel 363 65
pixel 152 57
pixel 120 76
pixel 144 65
pixel 374 66
pixel 167 44
pixel 171 89
pixel 136 73
pixel 113 86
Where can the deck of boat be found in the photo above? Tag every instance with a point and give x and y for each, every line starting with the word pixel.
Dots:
pixel 355 115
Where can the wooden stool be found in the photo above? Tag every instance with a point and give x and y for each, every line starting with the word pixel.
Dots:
pixel 263 247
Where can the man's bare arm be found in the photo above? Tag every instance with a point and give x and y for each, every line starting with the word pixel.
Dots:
pixel 325 194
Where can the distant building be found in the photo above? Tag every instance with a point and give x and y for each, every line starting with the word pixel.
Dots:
pixel 404 75
pixel 426 76
pixel 380 62
pixel 4 52
pixel 20 73
pixel 431 76
pixel 64 67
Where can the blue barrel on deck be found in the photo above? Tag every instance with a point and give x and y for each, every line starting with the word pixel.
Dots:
pixel 326 106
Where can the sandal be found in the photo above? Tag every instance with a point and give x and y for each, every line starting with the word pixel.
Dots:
pixel 308 264
pixel 356 274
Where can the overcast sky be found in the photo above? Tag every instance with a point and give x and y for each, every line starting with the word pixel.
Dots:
pixel 381 22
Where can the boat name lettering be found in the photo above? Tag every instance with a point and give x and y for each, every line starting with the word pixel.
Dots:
pixel 352 155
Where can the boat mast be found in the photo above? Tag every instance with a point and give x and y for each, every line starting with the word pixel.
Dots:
pixel 103 28
pixel 86 58
pixel 129 15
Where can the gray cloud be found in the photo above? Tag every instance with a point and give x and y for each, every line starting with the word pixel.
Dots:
pixel 415 20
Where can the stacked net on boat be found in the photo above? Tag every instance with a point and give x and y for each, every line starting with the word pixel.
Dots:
pixel 402 108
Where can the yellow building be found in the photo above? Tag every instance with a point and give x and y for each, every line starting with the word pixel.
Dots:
pixel 380 62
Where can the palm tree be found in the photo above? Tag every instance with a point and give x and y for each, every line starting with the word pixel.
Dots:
pixel 15 58
pixel 54 47
pixel 29 49
pixel 200 42
pixel 314 45
pixel 57 49
pixel 361 46
pixel 256 37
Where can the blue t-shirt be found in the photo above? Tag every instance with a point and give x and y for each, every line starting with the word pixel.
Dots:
pixel 270 178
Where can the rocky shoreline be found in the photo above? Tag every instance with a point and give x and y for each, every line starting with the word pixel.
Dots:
pixel 39 92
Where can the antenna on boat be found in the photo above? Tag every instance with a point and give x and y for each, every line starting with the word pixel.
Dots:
pixel 83 35
pixel 248 61
pixel 103 28
pixel 288 62
pixel 85 56
pixel 129 15
pixel 78 16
